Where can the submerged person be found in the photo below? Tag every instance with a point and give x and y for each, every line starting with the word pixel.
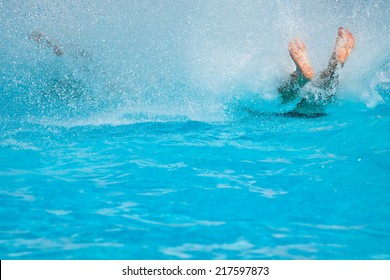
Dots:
pixel 323 88
pixel 40 38
pixel 61 85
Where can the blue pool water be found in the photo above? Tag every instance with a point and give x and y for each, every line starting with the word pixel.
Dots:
pixel 137 144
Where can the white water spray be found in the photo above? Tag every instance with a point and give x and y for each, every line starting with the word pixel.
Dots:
pixel 182 57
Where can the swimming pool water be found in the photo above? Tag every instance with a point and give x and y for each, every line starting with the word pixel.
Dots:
pixel 254 188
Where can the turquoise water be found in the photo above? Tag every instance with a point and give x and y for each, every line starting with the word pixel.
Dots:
pixel 137 144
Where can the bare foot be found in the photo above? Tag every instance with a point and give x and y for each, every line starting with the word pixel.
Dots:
pixel 298 53
pixel 344 45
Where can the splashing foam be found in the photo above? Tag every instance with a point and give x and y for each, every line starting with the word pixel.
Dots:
pixel 188 59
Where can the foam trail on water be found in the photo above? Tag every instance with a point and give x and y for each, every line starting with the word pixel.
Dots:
pixel 182 58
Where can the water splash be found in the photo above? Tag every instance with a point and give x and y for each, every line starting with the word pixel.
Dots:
pixel 185 58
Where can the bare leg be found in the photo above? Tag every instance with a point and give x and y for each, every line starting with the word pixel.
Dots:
pixel 302 75
pixel 342 49
pixel 41 39
pixel 328 78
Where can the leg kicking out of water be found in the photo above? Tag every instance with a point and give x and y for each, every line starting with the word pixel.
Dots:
pixel 325 84
pixel 40 38
pixel 301 76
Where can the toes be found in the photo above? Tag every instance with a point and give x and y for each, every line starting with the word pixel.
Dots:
pixel 300 44
pixel 340 32
pixel 291 46
pixel 293 43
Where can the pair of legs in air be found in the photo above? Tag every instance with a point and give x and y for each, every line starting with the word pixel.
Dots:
pixel 312 104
